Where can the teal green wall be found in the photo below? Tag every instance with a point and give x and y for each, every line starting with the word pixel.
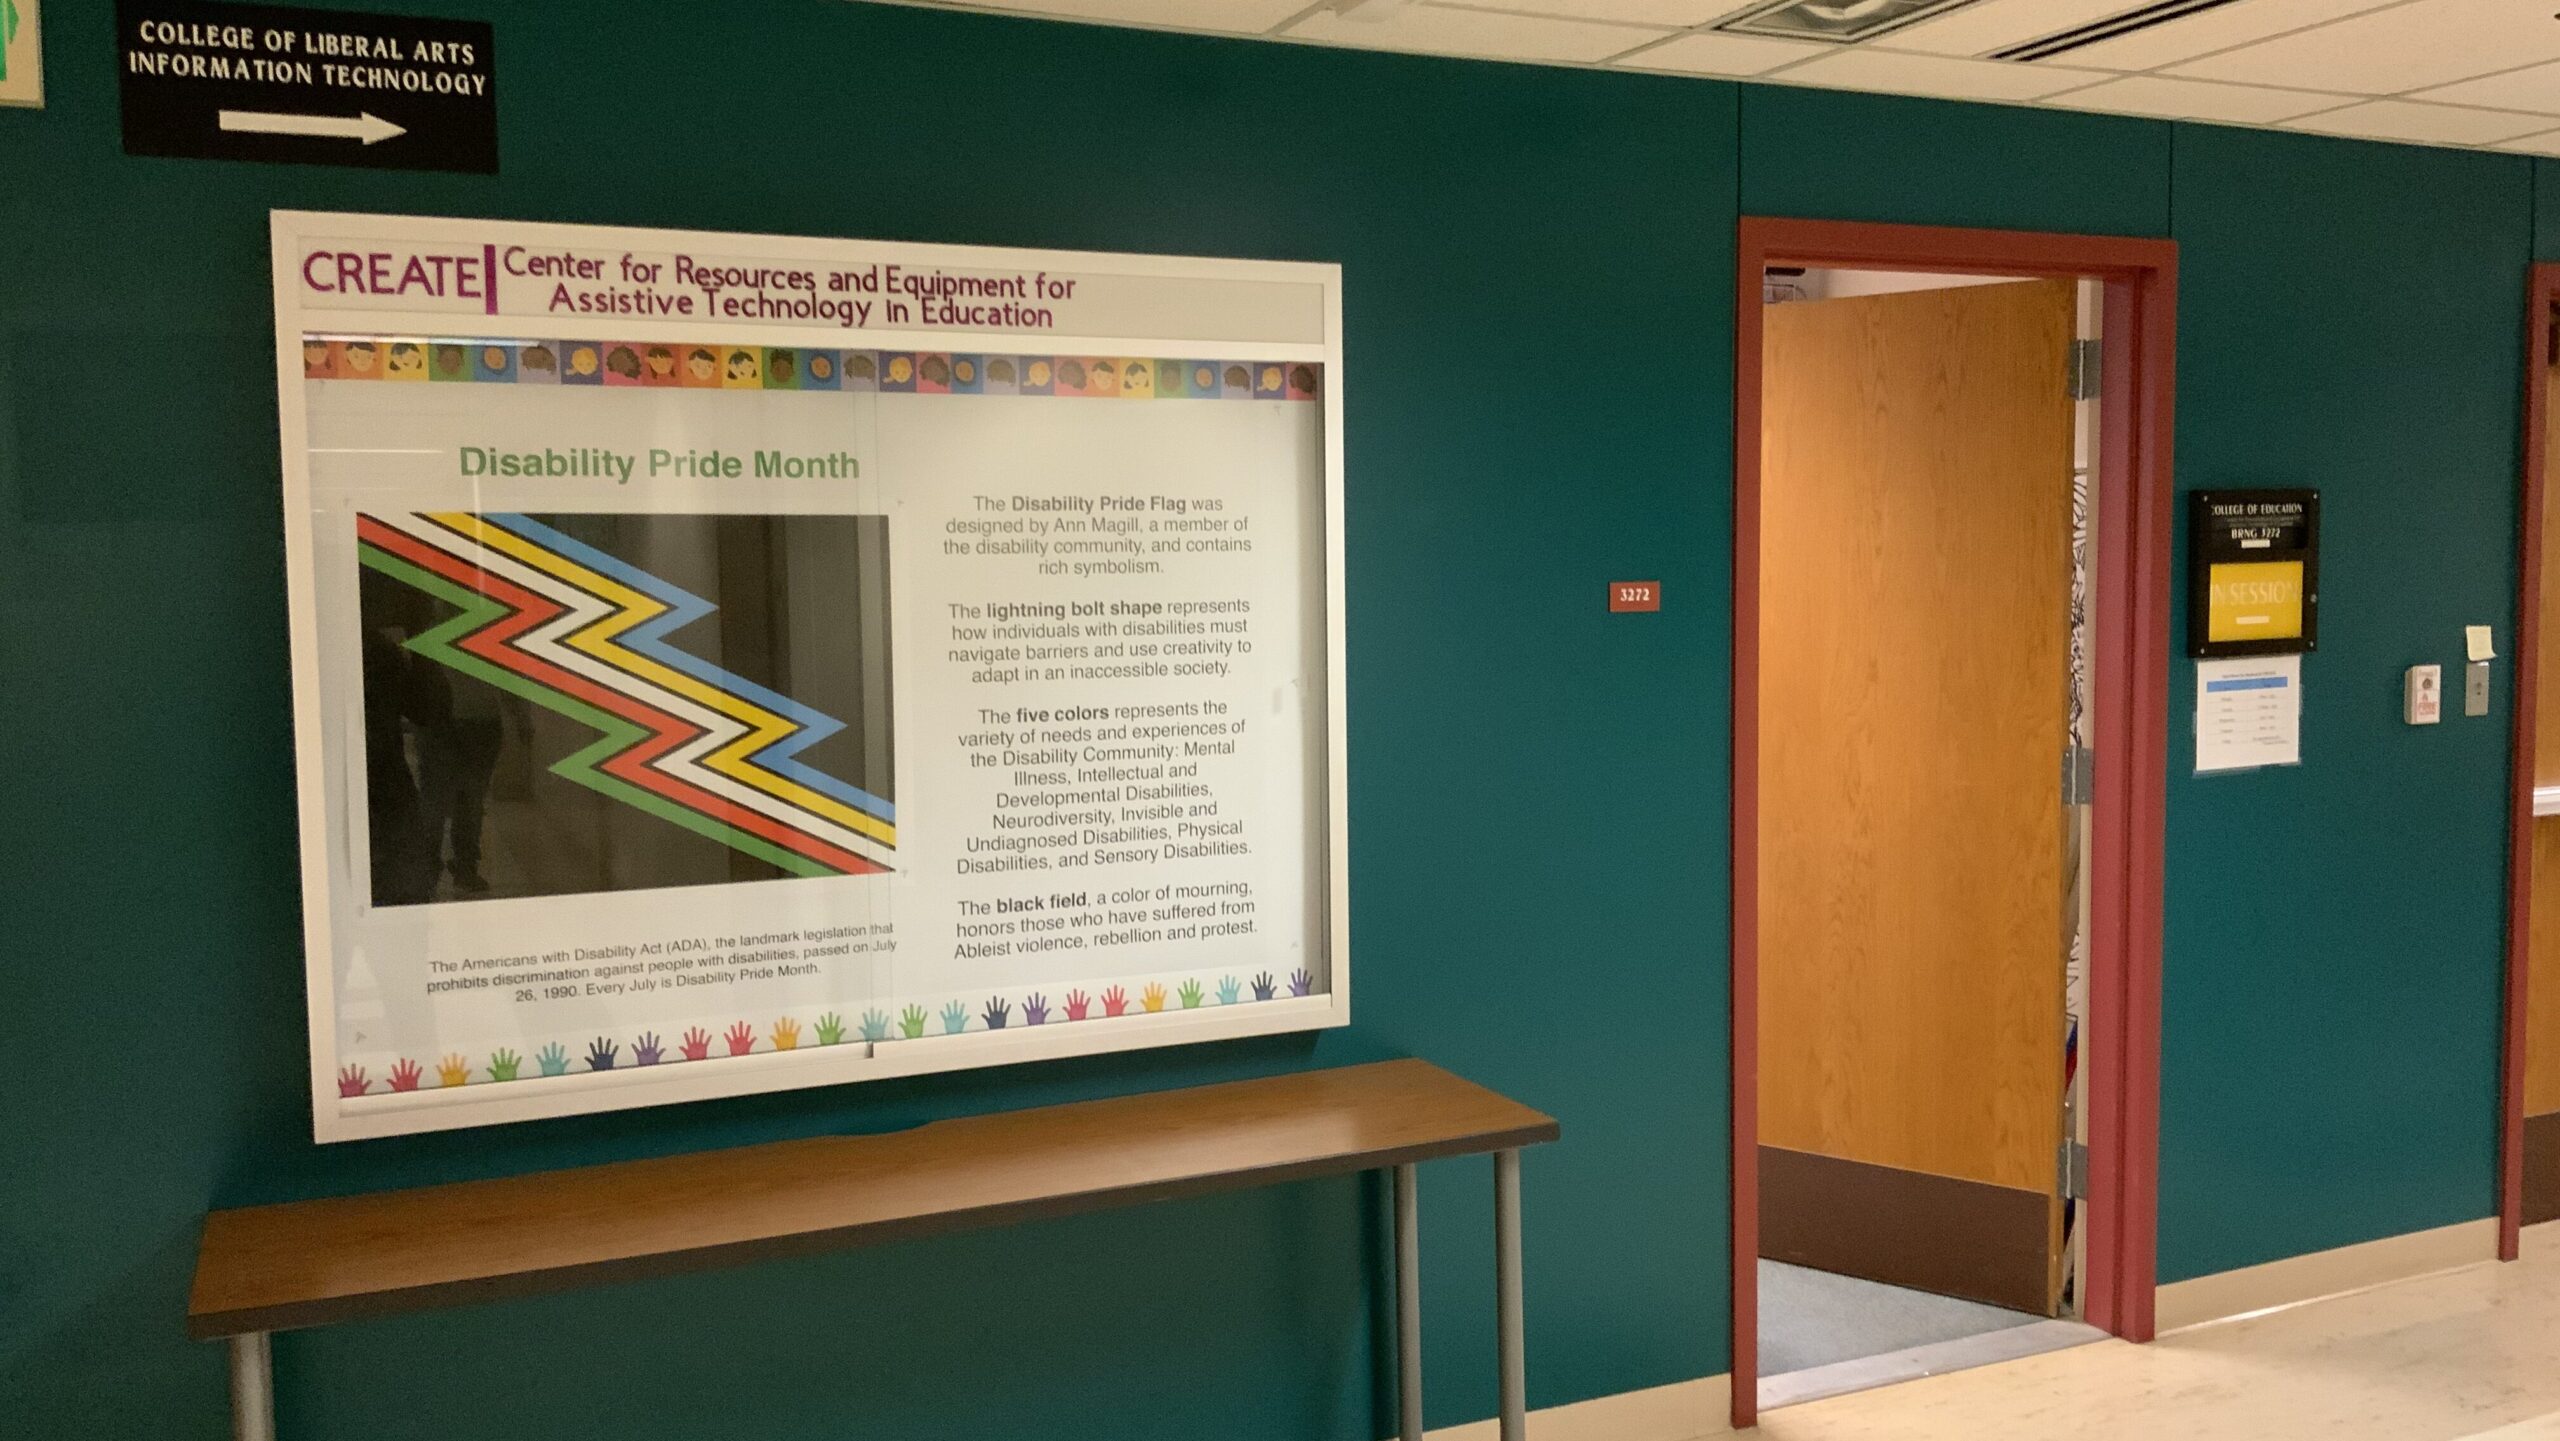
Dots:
pixel 2350 317
pixel 1533 416
pixel 1539 321
pixel 2546 210
pixel 1830 155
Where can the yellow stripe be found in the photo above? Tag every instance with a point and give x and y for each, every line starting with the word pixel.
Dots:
pixel 598 640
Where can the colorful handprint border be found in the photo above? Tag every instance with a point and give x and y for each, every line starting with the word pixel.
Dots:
pixel 698 365
pixel 912 1021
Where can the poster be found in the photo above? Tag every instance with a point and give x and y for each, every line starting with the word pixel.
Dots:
pixel 726 663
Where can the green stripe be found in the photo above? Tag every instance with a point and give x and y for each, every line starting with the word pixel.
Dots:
pixel 615 734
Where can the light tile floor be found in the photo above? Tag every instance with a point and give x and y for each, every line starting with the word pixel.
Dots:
pixel 2473 1353
pixel 1812 1318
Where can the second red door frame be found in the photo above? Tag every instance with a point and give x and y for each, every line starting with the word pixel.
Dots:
pixel 2130 662
pixel 2542 293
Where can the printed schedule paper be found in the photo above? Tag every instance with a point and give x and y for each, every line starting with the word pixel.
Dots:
pixel 2248 713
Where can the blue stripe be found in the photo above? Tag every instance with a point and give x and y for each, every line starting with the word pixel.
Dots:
pixel 2253 682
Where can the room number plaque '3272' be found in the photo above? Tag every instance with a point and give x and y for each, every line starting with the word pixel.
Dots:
pixel 1635 595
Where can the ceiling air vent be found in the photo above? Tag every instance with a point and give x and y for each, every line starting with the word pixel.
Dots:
pixel 2096 30
pixel 1842 22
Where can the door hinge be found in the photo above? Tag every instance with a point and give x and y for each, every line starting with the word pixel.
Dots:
pixel 2079 775
pixel 2084 369
pixel 2071 1163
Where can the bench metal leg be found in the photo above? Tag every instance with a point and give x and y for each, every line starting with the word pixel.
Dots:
pixel 1408 1305
pixel 1506 1284
pixel 253 1388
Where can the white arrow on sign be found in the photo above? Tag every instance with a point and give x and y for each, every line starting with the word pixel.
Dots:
pixel 367 127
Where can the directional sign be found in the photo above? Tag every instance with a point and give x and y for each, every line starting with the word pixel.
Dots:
pixel 307 87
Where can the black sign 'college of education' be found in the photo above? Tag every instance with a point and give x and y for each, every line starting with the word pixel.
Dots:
pixel 209 81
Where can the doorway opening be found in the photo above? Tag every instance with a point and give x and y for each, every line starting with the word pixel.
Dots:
pixel 1950 653
pixel 2529 1130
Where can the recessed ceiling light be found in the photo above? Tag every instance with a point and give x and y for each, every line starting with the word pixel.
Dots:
pixel 1839 21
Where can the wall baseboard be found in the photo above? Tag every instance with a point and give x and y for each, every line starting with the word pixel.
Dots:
pixel 2325 1273
pixel 1682 1411
pixel 2538 1240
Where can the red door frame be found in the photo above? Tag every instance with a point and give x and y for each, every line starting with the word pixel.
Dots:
pixel 2130 658
pixel 2542 292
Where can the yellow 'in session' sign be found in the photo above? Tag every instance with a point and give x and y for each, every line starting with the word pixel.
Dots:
pixel 2255 600
pixel 2253 572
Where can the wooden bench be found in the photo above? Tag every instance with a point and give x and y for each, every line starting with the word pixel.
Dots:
pixel 265 1269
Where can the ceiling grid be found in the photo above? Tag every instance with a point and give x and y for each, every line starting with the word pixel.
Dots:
pixel 2464 73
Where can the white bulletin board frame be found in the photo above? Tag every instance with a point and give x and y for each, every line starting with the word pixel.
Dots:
pixel 431 1108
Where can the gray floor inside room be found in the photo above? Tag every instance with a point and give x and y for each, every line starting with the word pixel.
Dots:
pixel 1813 1318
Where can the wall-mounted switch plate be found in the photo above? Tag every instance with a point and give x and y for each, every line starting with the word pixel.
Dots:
pixel 2475 688
pixel 2422 697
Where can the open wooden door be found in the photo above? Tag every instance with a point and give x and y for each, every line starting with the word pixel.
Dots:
pixel 2541 1139
pixel 1915 573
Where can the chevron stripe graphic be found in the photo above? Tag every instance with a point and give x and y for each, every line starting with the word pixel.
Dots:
pixel 587 636
pixel 682 609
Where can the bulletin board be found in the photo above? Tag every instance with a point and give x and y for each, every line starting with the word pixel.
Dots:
pixel 726 663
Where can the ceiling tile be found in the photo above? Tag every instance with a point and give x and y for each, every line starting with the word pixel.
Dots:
pixel 1869 68
pixel 1713 54
pixel 2198 100
pixel 2536 87
pixel 2423 43
pixel 1490 33
pixel 2217 29
pixel 2428 124
pixel 2546 143
pixel 1988 25
pixel 1679 14
pixel 2440 72
pixel 1252 17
